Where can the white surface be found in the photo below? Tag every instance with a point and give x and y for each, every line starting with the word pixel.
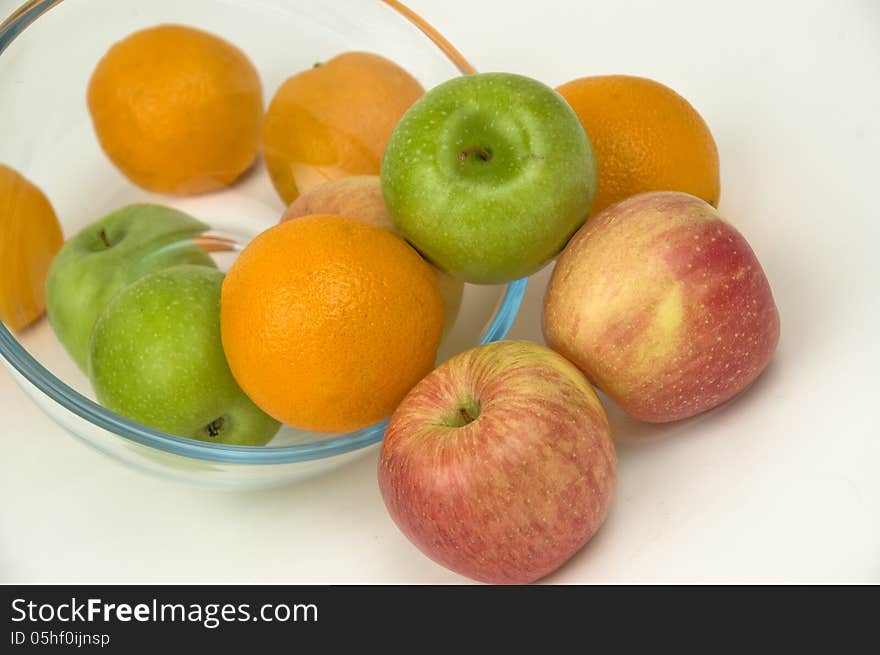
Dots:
pixel 780 485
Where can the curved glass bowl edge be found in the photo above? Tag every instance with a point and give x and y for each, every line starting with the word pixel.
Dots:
pixel 49 384
pixel 20 18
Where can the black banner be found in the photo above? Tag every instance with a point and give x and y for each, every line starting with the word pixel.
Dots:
pixel 229 618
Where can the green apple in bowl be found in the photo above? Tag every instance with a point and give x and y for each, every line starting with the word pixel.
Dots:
pixel 489 175
pixel 156 357
pixel 106 256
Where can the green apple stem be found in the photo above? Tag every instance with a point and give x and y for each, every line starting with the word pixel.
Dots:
pixel 103 235
pixel 484 154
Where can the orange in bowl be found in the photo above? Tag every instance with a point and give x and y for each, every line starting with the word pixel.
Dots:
pixel 30 235
pixel 177 110
pixel 327 322
pixel 334 120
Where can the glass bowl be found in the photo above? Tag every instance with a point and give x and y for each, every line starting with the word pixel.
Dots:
pixel 48 49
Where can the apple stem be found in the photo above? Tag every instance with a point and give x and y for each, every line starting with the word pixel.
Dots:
pixel 215 426
pixel 465 416
pixel 483 153
pixel 104 238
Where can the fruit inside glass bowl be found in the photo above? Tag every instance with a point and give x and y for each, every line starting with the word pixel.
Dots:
pixel 49 51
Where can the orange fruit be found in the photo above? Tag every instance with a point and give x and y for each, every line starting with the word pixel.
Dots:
pixel 334 120
pixel 29 238
pixel 177 110
pixel 327 322
pixel 645 137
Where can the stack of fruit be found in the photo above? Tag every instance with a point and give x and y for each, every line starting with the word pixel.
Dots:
pixel 499 463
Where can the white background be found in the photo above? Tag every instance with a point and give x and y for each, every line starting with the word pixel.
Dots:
pixel 782 485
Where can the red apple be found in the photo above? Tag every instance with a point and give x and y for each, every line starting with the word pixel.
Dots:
pixel 663 305
pixel 358 196
pixel 499 464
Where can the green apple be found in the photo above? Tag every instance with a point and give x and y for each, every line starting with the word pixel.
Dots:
pixel 106 256
pixel 156 357
pixel 489 175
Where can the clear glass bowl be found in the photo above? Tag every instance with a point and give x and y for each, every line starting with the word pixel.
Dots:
pixel 48 50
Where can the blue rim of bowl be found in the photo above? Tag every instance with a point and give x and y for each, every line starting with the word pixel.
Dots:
pixel 94 413
pixel 35 373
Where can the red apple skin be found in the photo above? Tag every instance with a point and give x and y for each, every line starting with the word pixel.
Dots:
pixel 663 305
pixel 512 495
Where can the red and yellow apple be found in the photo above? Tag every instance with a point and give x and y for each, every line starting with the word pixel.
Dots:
pixel 499 464
pixel 357 196
pixel 663 305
